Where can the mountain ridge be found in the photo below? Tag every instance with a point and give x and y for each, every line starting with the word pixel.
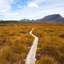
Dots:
pixel 54 18
pixel 57 18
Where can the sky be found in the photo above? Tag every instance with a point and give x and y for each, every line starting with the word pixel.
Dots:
pixel 29 9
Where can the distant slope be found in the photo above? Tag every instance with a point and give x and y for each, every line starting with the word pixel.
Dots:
pixel 56 18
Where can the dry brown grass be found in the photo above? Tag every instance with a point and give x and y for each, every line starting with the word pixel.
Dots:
pixel 15 42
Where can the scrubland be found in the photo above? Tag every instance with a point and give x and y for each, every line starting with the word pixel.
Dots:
pixel 15 43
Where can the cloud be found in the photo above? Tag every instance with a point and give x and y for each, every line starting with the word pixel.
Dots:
pixel 31 5
pixel 5 5
pixel 29 9
pixel 35 3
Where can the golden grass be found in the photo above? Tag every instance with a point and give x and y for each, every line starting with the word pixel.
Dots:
pixel 15 43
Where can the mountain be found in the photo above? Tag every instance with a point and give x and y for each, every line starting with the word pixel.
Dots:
pixel 56 18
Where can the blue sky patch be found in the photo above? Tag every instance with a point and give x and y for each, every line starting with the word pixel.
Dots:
pixel 18 4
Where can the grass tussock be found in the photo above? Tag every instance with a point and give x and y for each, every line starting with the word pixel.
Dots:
pixel 15 43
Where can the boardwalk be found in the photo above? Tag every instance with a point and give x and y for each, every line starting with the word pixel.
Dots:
pixel 30 59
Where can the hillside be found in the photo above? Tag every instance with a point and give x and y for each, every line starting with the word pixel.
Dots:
pixel 55 18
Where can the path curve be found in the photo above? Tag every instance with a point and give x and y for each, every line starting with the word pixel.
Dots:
pixel 30 59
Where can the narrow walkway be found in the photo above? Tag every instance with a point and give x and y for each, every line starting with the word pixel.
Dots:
pixel 30 59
